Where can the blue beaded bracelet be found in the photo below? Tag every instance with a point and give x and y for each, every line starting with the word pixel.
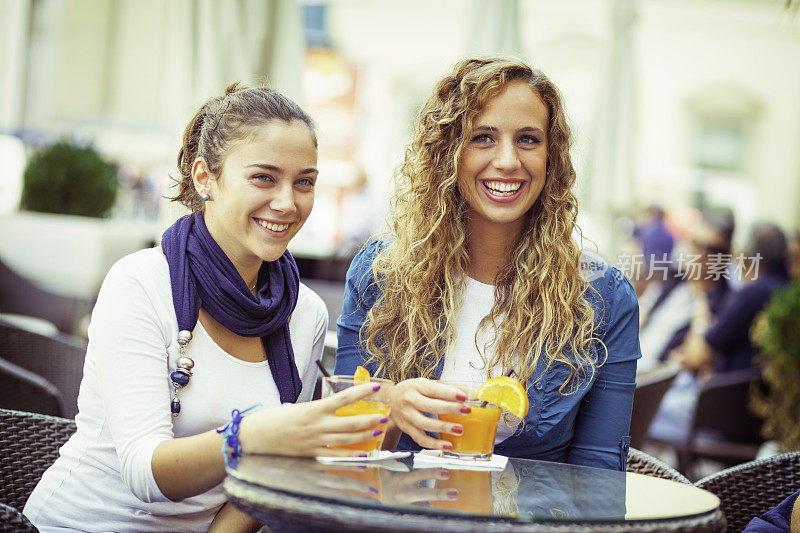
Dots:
pixel 231 448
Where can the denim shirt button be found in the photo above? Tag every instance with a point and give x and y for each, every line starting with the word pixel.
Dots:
pixel 538 386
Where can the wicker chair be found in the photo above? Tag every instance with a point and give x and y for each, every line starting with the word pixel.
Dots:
pixel 22 390
pixel 57 359
pixel 650 389
pixel 20 296
pixel 722 406
pixel 646 464
pixel 750 489
pixel 29 444
pixel 13 521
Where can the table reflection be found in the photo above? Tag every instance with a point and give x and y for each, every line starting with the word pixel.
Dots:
pixel 525 489
pixel 557 491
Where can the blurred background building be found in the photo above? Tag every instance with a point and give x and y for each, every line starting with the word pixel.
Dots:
pixel 689 104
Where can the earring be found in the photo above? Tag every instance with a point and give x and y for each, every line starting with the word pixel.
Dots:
pixel 206 197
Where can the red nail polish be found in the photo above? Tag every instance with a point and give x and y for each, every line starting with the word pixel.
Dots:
pixel 461 397
pixel 447 446
pixel 457 430
pixel 466 409
pixel 376 388
pixel 444 474
pixel 452 494
pixel 377 432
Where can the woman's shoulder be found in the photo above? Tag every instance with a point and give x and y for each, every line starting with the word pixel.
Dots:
pixel 138 287
pixel 146 265
pixel 602 276
pixel 610 292
pixel 309 301
pixel 360 271
pixel 369 251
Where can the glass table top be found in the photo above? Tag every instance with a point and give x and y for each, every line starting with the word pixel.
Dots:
pixel 525 490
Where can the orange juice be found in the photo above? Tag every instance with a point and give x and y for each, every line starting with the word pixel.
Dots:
pixel 480 428
pixel 366 407
pixel 474 491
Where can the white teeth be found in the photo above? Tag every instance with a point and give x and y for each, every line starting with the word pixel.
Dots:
pixel 273 227
pixel 504 189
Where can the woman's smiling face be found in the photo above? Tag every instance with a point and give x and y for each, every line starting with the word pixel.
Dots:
pixel 264 194
pixel 503 165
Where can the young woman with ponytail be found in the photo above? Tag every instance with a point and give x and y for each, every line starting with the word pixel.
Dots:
pixel 200 329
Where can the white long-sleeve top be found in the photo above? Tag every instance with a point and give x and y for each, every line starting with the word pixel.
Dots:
pixel 103 480
pixel 462 361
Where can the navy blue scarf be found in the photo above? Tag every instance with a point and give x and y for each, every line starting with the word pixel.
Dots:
pixel 202 276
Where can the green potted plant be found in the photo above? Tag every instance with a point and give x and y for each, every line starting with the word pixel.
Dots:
pixel 69 180
pixel 777 333
pixel 62 238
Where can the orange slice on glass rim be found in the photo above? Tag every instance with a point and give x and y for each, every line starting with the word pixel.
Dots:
pixel 360 376
pixel 505 392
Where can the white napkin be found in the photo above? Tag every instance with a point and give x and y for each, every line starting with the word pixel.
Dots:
pixel 434 459
pixel 381 455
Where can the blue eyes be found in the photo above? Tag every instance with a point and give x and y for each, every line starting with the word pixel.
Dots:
pixel 485 138
pixel 302 182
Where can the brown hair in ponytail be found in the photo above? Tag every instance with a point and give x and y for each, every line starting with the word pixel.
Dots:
pixel 222 121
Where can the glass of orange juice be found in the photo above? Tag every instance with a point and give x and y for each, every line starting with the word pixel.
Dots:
pixel 374 404
pixel 480 427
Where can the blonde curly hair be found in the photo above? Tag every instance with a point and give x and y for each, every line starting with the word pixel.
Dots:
pixel 540 308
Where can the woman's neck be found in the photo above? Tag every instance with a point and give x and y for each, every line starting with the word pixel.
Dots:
pixel 246 265
pixel 489 247
pixel 249 272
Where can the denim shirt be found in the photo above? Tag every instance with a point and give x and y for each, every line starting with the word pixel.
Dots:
pixel 588 427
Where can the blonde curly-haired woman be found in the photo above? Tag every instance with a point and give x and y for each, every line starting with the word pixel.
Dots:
pixel 479 274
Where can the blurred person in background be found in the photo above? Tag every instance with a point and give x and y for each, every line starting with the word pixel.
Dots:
pixel 693 290
pixel 479 275
pixel 654 240
pixel 187 336
pixel 720 342
pixel 726 345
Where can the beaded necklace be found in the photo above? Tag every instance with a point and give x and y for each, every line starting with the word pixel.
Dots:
pixel 181 376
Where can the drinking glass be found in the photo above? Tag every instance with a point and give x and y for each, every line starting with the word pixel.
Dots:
pixel 376 403
pixel 480 427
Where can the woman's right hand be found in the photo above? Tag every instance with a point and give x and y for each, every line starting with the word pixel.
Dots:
pixel 412 398
pixel 406 488
pixel 308 429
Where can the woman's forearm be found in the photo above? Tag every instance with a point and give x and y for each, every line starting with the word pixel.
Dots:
pixel 189 466
pixel 229 519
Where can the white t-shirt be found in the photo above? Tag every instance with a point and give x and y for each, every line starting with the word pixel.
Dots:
pixel 103 480
pixel 462 361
